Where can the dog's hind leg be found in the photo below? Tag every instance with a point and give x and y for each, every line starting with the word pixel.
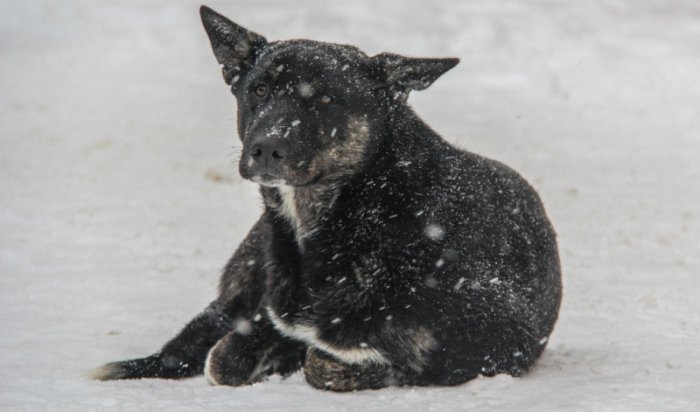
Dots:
pixel 324 372
pixel 240 293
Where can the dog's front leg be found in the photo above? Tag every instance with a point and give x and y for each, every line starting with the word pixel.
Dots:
pixel 248 356
pixel 240 292
pixel 181 357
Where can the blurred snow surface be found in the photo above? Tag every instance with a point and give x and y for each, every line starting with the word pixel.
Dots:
pixel 120 199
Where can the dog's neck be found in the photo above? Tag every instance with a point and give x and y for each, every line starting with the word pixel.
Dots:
pixel 304 208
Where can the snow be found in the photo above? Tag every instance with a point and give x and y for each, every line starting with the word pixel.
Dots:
pixel 305 89
pixel 121 200
pixel 434 232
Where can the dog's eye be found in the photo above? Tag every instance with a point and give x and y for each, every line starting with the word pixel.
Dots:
pixel 326 99
pixel 261 90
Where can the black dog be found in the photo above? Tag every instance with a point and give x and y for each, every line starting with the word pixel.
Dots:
pixel 384 255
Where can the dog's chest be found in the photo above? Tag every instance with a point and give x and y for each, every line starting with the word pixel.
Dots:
pixel 305 209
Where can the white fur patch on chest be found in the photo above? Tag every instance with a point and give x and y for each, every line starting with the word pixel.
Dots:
pixel 309 335
pixel 304 209
pixel 289 207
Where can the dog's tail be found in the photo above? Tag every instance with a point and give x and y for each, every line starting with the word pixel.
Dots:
pixel 154 366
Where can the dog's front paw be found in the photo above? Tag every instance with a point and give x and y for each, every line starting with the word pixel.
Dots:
pixel 224 367
pixel 129 369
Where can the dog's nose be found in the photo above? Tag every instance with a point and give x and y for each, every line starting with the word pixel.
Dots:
pixel 269 150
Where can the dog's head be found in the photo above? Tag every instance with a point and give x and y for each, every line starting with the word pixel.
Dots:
pixel 309 112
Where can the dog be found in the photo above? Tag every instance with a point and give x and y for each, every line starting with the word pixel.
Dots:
pixel 384 255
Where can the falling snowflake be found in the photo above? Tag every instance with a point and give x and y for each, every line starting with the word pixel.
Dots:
pixel 434 232
pixel 242 326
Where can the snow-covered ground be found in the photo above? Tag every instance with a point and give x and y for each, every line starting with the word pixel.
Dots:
pixel 120 200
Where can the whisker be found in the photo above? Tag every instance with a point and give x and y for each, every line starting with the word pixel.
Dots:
pixel 236 153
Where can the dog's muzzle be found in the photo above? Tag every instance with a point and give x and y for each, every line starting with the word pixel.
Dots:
pixel 266 160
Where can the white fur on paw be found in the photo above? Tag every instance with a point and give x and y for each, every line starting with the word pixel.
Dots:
pixel 103 373
pixel 207 366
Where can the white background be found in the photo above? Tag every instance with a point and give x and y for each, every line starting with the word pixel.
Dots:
pixel 120 200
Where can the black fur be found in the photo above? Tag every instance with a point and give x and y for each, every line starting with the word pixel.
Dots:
pixel 384 256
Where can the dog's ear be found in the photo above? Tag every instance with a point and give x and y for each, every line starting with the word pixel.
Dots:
pixel 402 74
pixel 234 46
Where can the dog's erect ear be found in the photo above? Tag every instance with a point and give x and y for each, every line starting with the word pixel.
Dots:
pixel 234 46
pixel 403 74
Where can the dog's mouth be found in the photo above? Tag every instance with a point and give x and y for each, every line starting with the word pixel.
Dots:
pixel 268 180
pixel 271 180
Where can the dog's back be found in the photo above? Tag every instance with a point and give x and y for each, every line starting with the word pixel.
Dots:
pixel 452 252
